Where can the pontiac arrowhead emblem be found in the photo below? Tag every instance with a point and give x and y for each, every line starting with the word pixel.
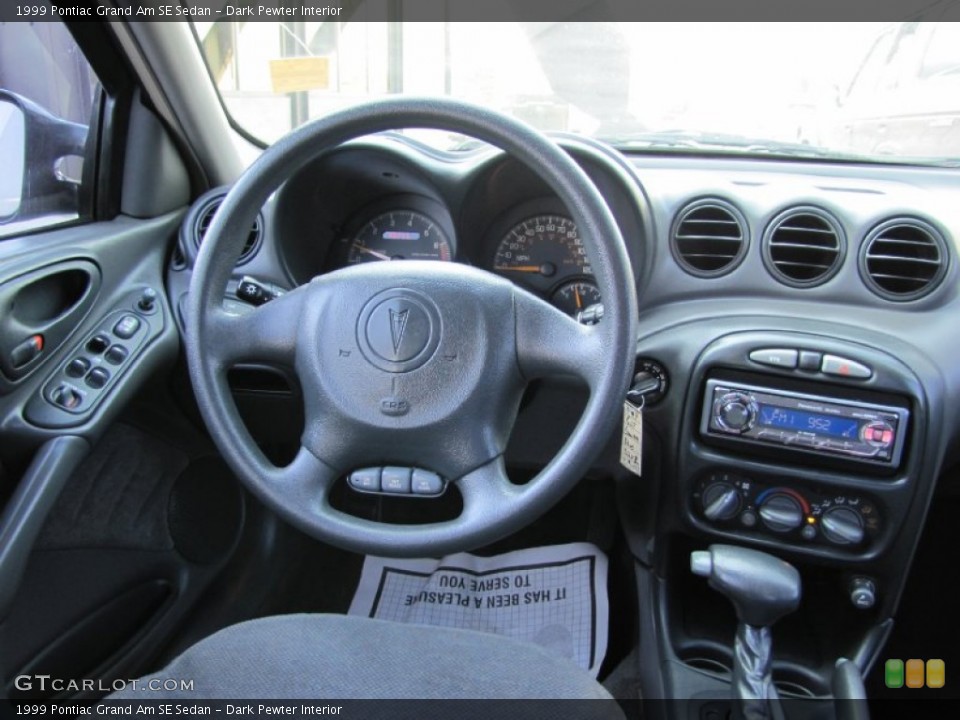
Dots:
pixel 398 324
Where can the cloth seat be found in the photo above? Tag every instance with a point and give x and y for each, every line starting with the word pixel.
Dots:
pixel 345 657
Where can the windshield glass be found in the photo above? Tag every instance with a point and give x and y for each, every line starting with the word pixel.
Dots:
pixel 884 91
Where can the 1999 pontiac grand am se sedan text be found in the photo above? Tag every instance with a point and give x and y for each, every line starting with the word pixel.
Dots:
pixel 358 357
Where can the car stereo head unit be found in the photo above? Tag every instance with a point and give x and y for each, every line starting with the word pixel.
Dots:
pixel 863 432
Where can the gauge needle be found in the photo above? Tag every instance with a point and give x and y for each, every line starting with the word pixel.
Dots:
pixel 576 296
pixel 519 268
pixel 367 250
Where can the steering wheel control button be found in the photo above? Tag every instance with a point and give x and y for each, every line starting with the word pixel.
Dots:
pixel 395 480
pixel 844 367
pixel 126 327
pixel 776 357
pixel 424 482
pixel 97 378
pixel 116 354
pixel 98 343
pixel 366 480
pixel 78 367
pixel 399 330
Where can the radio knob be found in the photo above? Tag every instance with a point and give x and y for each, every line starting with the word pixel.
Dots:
pixel 736 412
pixel 721 501
pixel 843 526
pixel 781 513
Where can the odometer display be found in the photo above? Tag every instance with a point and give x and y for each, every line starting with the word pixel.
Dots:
pixel 540 251
pixel 399 235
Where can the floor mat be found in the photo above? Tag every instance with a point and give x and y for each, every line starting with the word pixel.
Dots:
pixel 554 596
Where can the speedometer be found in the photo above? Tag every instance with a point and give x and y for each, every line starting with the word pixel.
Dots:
pixel 399 235
pixel 541 250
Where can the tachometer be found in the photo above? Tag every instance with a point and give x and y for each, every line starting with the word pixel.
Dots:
pixel 540 250
pixel 400 235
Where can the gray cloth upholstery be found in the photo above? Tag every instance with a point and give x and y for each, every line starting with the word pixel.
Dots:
pixel 344 657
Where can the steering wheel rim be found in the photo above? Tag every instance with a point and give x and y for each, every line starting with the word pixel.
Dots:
pixel 455 303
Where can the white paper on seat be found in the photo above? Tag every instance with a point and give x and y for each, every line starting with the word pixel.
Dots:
pixel 554 596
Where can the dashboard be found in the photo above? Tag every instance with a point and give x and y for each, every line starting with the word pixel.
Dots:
pixel 825 290
pixel 800 317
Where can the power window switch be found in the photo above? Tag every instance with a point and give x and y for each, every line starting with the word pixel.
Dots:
pixel 78 367
pixel 116 354
pixel 97 378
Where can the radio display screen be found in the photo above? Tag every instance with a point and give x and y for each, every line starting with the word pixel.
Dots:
pixel 790 419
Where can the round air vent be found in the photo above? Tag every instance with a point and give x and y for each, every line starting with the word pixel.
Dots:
pixel 205 217
pixel 903 259
pixel 709 238
pixel 803 247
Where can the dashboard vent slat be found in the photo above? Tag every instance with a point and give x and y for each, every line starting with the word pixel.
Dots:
pixel 803 247
pixel 903 259
pixel 205 219
pixel 709 238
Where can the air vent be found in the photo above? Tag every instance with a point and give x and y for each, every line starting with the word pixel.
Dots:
pixel 803 247
pixel 709 238
pixel 903 259
pixel 205 218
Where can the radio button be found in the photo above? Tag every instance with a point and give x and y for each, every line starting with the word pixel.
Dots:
pixel 781 513
pixel 810 360
pixel 736 412
pixel 775 357
pixel 844 367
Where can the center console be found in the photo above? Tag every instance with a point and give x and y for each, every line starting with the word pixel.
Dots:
pixel 811 448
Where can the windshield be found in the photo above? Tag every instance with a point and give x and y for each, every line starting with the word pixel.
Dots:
pixel 886 91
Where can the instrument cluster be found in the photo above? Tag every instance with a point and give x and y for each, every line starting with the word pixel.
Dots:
pixel 535 245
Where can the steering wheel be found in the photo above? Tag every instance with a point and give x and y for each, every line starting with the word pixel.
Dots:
pixel 414 364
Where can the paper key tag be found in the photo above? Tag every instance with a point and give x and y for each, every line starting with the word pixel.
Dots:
pixel 631 442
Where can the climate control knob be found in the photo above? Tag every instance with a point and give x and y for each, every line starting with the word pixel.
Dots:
pixel 721 501
pixel 843 526
pixel 735 412
pixel 781 513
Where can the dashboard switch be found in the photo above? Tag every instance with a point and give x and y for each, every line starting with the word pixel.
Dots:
pixel 776 357
pixel 844 367
pixel 424 482
pixel 395 480
pixel 126 327
pixel 367 479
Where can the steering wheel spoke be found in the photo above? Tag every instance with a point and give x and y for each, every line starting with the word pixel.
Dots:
pixel 487 492
pixel 306 476
pixel 266 333
pixel 551 343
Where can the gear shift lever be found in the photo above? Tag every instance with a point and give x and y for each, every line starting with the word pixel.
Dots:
pixel 762 589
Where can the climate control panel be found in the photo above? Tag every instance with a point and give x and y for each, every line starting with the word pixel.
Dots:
pixel 730 501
